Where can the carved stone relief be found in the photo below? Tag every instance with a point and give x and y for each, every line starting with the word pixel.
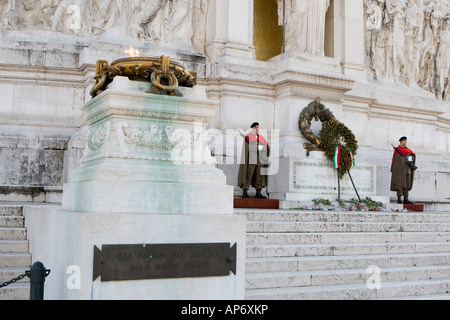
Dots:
pixel 6 10
pixel 407 42
pixel 151 140
pixel 168 21
pixel 304 22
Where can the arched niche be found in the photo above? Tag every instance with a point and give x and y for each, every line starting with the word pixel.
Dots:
pixel 267 34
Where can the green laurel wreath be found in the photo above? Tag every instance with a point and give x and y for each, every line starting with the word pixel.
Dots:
pixel 334 132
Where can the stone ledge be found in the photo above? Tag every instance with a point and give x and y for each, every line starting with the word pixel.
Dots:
pixel 35 194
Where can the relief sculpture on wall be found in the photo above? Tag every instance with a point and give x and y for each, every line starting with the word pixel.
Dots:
pixel 304 24
pixel 407 42
pixel 169 21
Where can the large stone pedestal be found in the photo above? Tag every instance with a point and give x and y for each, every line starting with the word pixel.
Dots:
pixel 65 240
pixel 146 178
pixel 146 154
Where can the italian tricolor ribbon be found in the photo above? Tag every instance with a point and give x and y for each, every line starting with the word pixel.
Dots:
pixel 352 163
pixel 337 156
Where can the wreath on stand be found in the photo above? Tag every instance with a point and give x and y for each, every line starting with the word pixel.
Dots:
pixel 338 141
pixel 330 138
pixel 340 145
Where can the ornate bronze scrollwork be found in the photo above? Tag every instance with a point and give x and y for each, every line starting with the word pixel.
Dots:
pixel 165 75
pixel 317 111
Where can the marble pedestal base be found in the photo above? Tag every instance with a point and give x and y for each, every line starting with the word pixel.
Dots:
pixel 64 241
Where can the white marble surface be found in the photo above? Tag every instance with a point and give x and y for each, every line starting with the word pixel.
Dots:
pixel 146 154
pixel 70 238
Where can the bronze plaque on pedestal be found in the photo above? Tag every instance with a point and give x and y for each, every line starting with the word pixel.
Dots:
pixel 163 261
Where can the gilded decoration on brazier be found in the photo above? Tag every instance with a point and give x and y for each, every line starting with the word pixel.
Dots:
pixel 164 75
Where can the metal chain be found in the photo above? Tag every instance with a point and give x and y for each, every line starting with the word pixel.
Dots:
pixel 7 283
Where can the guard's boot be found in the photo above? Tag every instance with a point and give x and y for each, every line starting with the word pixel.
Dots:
pixel 407 201
pixel 259 195
pixel 245 195
pixel 399 201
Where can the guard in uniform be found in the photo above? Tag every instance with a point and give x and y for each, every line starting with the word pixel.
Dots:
pixel 402 169
pixel 255 156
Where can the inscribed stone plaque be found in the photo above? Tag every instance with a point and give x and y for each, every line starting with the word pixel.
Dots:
pixel 163 261
pixel 318 176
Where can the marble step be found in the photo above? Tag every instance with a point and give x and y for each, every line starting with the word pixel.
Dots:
pixel 355 291
pixel 10 246
pixel 342 276
pixel 287 264
pixel 344 237
pixel 350 216
pixel 345 227
pixel 14 233
pixel 8 273
pixel 14 256
pixel 11 221
pixel 11 210
pixel 298 250
pixel 15 260
pixel 16 291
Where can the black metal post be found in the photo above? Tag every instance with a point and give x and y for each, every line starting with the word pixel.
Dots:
pixel 351 179
pixel 37 276
pixel 339 184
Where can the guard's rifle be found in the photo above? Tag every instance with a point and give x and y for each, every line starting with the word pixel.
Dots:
pixel 409 163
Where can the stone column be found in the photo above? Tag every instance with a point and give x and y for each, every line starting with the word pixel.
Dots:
pixel 348 36
pixel 230 29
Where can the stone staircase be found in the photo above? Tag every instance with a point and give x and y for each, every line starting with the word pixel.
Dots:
pixel 14 256
pixel 312 255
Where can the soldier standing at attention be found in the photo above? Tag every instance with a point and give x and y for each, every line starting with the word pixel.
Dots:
pixel 402 168
pixel 255 153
